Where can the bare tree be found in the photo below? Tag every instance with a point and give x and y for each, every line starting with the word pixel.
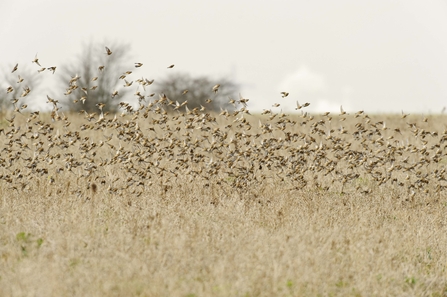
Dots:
pixel 19 85
pixel 213 94
pixel 97 76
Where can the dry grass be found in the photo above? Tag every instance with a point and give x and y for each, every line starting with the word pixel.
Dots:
pixel 219 226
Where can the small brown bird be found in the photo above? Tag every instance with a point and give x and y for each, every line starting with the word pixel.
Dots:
pixel 15 68
pixel 108 51
pixel 138 65
pixel 284 94
pixel 36 60
pixel 184 92
pixel 41 69
pixel 127 84
pixel 52 69
pixel 100 106
pixel 101 68
pixel 216 88
pixel 171 66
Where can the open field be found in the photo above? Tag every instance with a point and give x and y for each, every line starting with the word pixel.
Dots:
pixel 191 203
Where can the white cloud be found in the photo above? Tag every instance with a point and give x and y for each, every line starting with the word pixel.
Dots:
pixel 307 86
pixel 303 82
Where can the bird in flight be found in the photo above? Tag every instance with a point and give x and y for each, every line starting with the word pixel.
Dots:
pixel 52 69
pixel 108 51
pixel 216 88
pixel 36 60
pixel 15 68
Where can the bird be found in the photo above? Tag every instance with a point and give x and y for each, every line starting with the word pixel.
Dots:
pixel 171 66
pixel 138 65
pixel 284 94
pixel 15 68
pixel 108 51
pixel 100 106
pixel 127 84
pixel 52 69
pixel 216 88
pixel 36 60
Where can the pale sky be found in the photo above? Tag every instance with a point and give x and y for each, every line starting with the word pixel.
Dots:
pixel 377 56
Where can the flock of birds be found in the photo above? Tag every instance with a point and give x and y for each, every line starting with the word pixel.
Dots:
pixel 164 143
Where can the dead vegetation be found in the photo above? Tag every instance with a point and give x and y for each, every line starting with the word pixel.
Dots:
pixel 193 203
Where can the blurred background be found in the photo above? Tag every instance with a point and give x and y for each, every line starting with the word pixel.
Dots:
pixel 377 56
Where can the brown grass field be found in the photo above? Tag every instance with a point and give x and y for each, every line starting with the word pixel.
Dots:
pixel 191 203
